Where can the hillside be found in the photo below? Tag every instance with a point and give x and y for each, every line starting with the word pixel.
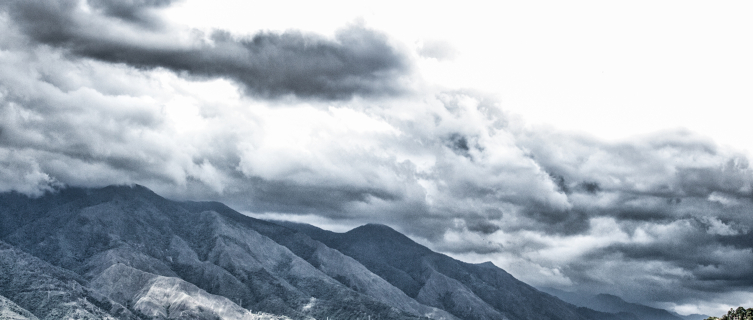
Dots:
pixel 124 252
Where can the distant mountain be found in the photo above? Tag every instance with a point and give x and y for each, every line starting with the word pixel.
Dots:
pixel 123 252
pixel 692 316
pixel 614 304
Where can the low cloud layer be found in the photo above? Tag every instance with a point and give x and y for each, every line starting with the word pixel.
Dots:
pixel 657 219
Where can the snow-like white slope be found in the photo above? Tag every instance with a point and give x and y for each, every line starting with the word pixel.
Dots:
pixel 168 297
pixel 11 311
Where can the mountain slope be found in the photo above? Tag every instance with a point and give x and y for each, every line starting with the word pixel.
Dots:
pixel 469 291
pixel 613 304
pixel 124 252
pixel 340 267
pixel 49 292
pixel 694 316
pixel 9 310
pixel 89 230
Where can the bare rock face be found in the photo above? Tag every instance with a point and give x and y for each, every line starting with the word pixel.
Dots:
pixel 167 297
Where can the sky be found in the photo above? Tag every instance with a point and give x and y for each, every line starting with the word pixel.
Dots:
pixel 589 146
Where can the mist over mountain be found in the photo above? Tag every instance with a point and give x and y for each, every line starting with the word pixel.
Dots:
pixel 124 252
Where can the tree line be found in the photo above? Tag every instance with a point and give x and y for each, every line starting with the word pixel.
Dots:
pixel 736 314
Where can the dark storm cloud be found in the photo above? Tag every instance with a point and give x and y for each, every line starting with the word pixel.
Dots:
pixel 459 144
pixel 559 180
pixel 285 196
pixel 358 61
pixel 570 222
pixel 483 227
pixel 590 187
pixel 136 11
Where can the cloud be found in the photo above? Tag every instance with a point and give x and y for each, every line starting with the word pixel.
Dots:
pixel 136 11
pixel 358 61
pixel 109 94
pixel 21 173
pixel 680 198
pixel 437 49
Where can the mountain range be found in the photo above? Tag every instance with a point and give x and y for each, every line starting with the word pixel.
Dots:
pixel 124 252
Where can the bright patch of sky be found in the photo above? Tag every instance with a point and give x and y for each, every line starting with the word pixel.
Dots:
pixel 612 70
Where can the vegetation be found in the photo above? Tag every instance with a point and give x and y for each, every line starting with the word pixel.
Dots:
pixel 736 314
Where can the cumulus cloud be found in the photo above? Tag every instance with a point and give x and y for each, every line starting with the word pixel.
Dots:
pixel 660 218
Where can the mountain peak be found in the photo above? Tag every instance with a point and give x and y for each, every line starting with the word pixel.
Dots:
pixel 380 232
pixel 377 226
pixel 129 189
pixel 610 297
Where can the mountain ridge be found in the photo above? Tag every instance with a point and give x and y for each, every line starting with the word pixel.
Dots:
pixel 221 261
pixel 368 243
pixel 615 304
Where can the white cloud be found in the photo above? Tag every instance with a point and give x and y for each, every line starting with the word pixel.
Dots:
pixel 721 198
pixel 716 226
pixel 21 173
